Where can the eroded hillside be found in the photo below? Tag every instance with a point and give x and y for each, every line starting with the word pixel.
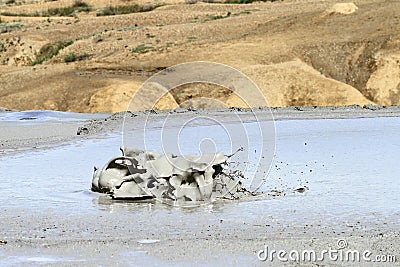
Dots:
pixel 83 56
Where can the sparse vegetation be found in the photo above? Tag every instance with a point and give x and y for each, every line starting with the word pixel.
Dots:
pixel 77 6
pixel 50 50
pixel 6 27
pixel 229 14
pixel 10 14
pixel 120 10
pixel 70 57
pixel 80 3
pixel 166 34
pixel 141 48
pixel 10 26
pixel 218 17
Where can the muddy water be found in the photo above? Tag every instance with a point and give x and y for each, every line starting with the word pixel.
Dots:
pixel 350 167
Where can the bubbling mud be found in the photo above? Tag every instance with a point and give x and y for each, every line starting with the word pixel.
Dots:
pixel 176 180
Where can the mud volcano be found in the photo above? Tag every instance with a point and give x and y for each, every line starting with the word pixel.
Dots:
pixel 178 180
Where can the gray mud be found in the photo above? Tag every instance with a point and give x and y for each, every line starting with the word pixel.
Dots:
pixel 114 122
pixel 24 133
pixel 349 167
pixel 25 130
pixel 184 180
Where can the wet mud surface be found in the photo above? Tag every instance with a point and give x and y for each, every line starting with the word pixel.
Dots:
pixel 330 179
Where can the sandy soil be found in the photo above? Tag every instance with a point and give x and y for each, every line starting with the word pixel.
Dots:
pixel 307 52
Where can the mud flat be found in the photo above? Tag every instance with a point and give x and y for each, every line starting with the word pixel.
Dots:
pixel 114 122
pixel 50 217
pixel 29 129
pixel 35 129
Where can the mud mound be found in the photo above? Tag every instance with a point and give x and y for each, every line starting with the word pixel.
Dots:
pixel 176 180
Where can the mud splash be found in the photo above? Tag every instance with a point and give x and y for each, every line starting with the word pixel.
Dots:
pixel 178 180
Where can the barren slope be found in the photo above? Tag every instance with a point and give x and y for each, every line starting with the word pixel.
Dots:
pixel 295 51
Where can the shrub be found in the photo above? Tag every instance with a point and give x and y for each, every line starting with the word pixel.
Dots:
pixel 70 57
pixel 141 48
pixel 107 11
pixel 218 17
pixel 120 10
pixel 78 6
pixel 80 3
pixel 66 11
pixel 50 50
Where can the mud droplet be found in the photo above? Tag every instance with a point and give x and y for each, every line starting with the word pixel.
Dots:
pixel 301 189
